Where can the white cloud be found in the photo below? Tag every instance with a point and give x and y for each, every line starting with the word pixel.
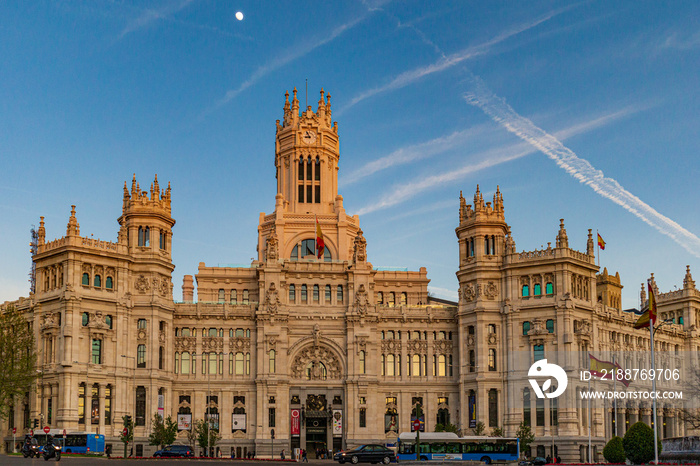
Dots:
pixel 579 168
pixel 151 15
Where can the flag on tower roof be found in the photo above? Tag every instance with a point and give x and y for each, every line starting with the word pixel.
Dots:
pixel 601 243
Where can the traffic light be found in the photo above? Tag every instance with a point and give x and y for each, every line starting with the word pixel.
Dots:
pixel 36 423
pixel 127 420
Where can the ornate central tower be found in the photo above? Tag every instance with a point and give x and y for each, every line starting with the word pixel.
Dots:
pixel 307 152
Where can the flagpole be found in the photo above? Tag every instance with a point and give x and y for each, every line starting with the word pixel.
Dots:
pixel 590 448
pixel 597 245
pixel 653 386
pixel 615 390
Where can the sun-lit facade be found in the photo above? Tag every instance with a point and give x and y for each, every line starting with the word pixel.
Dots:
pixel 326 351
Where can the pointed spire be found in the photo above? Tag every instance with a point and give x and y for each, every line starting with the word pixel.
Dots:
pixel 590 245
pixel 562 238
pixel 73 228
pixel 654 288
pixel 643 295
pixel 133 186
pixel 688 282
pixel 156 187
pixel 41 234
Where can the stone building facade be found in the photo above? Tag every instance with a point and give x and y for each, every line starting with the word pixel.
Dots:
pixel 327 351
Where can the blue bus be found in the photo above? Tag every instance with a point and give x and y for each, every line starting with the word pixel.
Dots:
pixel 443 446
pixel 82 442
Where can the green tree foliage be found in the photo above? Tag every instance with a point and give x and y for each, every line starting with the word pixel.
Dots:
pixel 638 443
pixel 203 431
pixel 613 451
pixel 480 428
pixel 526 436
pixel 164 431
pixel 497 432
pixel 17 359
pixel 446 428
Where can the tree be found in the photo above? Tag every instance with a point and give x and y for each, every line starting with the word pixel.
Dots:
pixel 497 432
pixel 164 432
pixel 638 443
pixel 526 437
pixel 204 431
pixel 480 428
pixel 446 428
pixel 613 451
pixel 690 414
pixel 17 359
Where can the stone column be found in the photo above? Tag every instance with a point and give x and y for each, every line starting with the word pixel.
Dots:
pixel 101 395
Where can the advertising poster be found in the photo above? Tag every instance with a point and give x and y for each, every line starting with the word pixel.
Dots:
pixel 472 411
pixel 161 406
pixel 238 422
pixel 184 421
pixel 337 422
pixel 296 422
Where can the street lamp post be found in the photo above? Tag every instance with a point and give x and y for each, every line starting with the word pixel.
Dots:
pixel 126 444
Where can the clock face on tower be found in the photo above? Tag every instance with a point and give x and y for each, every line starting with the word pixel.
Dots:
pixel 308 136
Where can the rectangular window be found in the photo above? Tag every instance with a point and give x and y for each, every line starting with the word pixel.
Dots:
pixel 301 193
pixel 95 405
pixel 316 294
pixel 539 404
pixel 245 297
pixel 140 406
pixel 108 405
pixel 239 363
pixel 303 294
pixel 212 363
pixel 317 194
pixel 363 417
pixel 328 294
pixel 97 351
pixel 539 352
pixel 81 404
pixel 271 417
pixel 49 410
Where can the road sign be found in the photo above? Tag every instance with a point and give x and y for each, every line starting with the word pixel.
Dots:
pixel 416 425
pixel 31 432
pixel 64 432
pixel 125 431
pixel 14 430
pixel 47 429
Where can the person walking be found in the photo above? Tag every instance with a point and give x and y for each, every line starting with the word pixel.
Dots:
pixel 304 459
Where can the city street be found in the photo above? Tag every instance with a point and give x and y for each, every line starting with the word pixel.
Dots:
pixel 11 460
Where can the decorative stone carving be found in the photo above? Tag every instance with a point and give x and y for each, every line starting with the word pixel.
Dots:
pixel 443 346
pixel 320 358
pixel 361 301
pixel 272 342
pixel 492 339
pixel 212 344
pixel 239 344
pixel 417 346
pixel 359 248
pixel 272 244
pixel 142 284
pixel 469 292
pixel 391 346
pixel 272 300
pixel 49 321
pixel 491 290
pixel 185 343
pixel 361 343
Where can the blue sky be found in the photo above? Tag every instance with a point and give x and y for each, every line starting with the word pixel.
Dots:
pixel 586 111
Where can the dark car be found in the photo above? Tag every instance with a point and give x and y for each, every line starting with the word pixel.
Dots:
pixel 366 454
pixel 180 451
pixel 539 461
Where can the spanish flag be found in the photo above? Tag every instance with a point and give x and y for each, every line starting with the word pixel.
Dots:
pixel 320 245
pixel 601 243
pixel 650 314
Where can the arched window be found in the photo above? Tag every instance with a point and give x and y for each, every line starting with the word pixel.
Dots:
pixel 86 279
pixel 316 370
pixel 537 290
pixel 212 332
pixel 390 365
pixel 443 416
pixel 292 293
pixel 247 364
pixel 234 297
pixel 108 321
pixel 492 359
pixel 339 298
pixel 98 281
pixel 185 332
pixel 240 364
pixel 404 298
pixel 316 294
pixel 222 296
pixel 212 363
pixel 272 361
pixel 109 283
pixel 549 288
pixel 141 356
pixel 240 333
pixel 141 323
pixel 304 294
pixel 86 319
pixel 416 365
pixel 308 250
pixel 362 362
pixel 328 294
pixel 526 291
pixel 301 174
pixel 442 366
pixel 550 325
pixel 245 297
pixel 493 408
pixel 392 299
pixel 185 361
pixel 380 297
pixel 526 327
pixel 538 352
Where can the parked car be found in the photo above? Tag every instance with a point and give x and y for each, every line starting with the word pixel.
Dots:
pixel 180 451
pixel 366 454
pixel 539 461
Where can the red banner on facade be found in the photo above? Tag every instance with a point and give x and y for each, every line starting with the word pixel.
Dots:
pixel 296 422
